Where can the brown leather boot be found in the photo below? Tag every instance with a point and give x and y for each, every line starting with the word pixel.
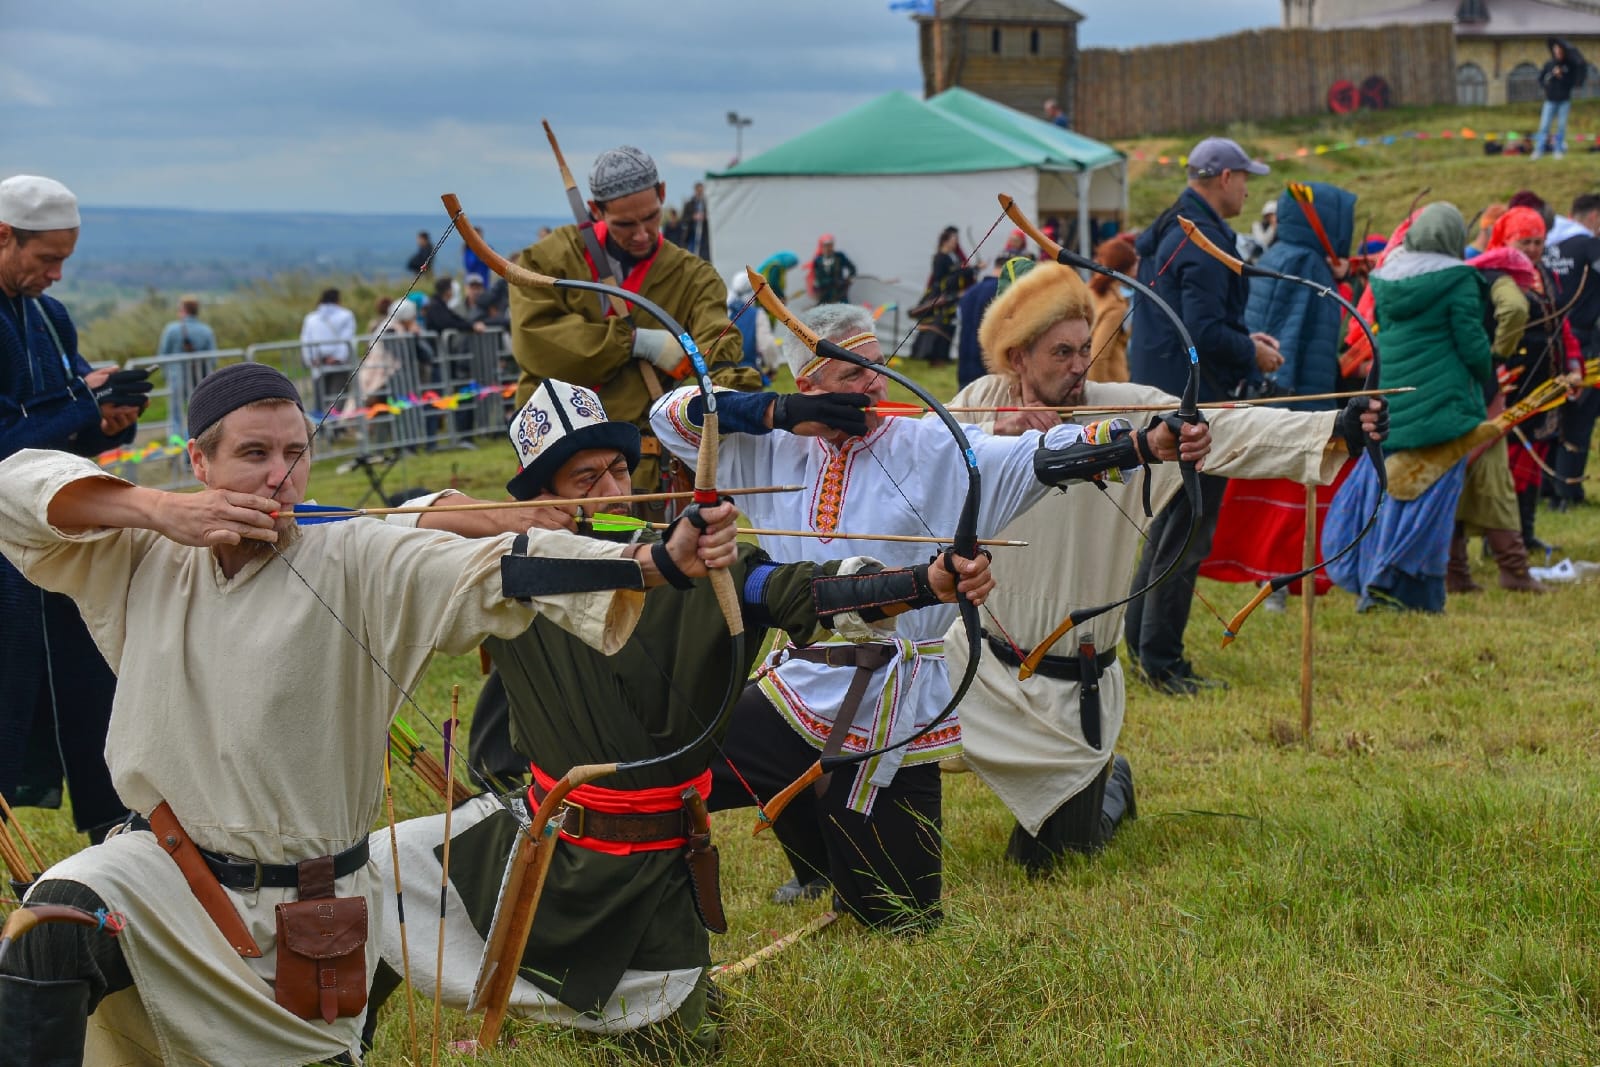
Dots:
pixel 1458 574
pixel 1512 556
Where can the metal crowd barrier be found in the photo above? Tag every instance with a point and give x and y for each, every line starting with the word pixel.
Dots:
pixel 344 393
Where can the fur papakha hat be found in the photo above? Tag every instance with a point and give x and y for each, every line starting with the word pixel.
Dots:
pixel 1027 308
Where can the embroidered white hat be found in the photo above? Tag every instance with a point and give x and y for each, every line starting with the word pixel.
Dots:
pixel 557 422
pixel 30 202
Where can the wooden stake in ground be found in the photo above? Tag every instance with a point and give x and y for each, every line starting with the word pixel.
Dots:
pixel 444 867
pixel 400 906
pixel 1308 601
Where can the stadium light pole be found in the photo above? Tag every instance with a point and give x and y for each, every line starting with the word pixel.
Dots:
pixel 738 122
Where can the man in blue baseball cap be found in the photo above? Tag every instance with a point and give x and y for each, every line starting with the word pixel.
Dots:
pixel 1211 299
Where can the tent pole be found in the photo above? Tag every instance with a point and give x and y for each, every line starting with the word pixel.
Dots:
pixel 1084 243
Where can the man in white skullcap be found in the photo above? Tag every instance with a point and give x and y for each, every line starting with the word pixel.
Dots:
pixel 57 685
pixel 249 727
pixel 872 831
pixel 576 337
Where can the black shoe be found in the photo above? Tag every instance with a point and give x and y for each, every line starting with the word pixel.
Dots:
pixel 792 892
pixel 1183 682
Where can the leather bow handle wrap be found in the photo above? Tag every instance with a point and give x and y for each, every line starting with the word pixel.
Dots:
pixel 1188 410
pixel 1374 448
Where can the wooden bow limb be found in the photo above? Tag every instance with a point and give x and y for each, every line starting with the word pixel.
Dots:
pixel 766 952
pixel 28 916
pixel 597 252
pixel 519 902
pixel 1302 194
pixel 508 505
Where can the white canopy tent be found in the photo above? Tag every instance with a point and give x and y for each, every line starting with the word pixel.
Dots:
pixel 885 178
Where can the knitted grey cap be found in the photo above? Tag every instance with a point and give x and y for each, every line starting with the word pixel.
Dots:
pixel 621 172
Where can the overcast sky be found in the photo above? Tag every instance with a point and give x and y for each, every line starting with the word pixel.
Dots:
pixel 341 106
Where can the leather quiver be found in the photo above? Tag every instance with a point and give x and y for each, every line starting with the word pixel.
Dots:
pixel 322 957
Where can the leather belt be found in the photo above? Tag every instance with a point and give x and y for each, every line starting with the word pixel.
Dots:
pixel 866 660
pixel 631 828
pixel 245 875
pixel 1064 667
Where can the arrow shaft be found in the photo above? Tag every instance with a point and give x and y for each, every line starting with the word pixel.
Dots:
pixel 506 505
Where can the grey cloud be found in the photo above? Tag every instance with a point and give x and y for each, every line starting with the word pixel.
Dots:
pixel 302 105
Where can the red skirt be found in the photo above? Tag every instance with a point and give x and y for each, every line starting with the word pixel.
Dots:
pixel 1261 531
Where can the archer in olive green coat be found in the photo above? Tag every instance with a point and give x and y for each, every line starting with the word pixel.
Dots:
pixel 1429 307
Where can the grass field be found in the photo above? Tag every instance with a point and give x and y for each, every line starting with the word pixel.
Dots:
pixel 1415 886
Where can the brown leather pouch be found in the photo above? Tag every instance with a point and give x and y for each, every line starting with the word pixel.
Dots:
pixel 704 865
pixel 322 958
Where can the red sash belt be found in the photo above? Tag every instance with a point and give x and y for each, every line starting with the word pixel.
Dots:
pixel 612 808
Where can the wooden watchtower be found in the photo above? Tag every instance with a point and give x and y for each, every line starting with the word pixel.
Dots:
pixel 1018 52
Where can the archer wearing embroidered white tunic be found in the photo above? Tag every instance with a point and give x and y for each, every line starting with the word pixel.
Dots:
pixel 869 475
pixel 243 705
pixel 1026 739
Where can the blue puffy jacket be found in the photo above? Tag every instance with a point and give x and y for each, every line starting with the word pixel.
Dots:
pixel 1305 324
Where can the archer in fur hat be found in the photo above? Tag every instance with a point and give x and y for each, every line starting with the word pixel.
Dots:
pixel 1032 299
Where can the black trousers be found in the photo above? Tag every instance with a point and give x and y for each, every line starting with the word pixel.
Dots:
pixel 1155 622
pixel 886 869
pixel 67 952
pixel 1085 824
pixel 1571 454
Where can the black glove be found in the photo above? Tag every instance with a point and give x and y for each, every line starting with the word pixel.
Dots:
pixel 125 388
pixel 1348 423
pixel 839 411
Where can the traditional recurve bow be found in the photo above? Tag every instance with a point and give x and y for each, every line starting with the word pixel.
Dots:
pixel 1374 448
pixel 28 916
pixel 526 881
pixel 1187 410
pixel 964 542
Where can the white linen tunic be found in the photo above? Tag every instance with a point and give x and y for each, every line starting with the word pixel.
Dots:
pixel 244 705
pixel 1024 739
pixel 905 477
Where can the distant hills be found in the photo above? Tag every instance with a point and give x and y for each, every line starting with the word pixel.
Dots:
pixel 211 251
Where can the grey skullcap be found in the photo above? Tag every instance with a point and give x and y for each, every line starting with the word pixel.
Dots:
pixel 29 202
pixel 621 172
pixel 231 388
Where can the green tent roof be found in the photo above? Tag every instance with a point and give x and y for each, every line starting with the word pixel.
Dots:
pixel 899 134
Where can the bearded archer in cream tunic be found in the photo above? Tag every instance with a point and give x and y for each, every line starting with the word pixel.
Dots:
pixel 866 474
pixel 1026 739
pixel 243 706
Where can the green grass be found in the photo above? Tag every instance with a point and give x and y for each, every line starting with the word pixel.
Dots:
pixel 1385 177
pixel 1416 885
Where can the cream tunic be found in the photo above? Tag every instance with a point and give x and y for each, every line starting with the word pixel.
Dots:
pixel 244 704
pixel 1024 738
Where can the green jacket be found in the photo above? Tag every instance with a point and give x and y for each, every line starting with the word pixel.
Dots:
pixel 1430 310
